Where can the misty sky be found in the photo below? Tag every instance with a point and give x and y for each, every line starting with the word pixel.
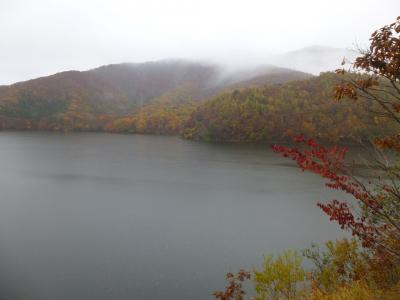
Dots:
pixel 47 36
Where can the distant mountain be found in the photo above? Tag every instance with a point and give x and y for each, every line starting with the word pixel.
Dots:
pixel 272 75
pixel 45 96
pixel 145 81
pixel 77 100
pixel 108 89
pixel 314 59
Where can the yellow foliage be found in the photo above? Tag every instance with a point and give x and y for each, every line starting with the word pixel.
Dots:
pixel 356 291
pixel 280 278
pixel 341 263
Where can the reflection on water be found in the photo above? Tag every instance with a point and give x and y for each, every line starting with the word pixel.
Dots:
pixel 99 216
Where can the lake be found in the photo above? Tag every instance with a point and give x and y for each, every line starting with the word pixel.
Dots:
pixel 104 216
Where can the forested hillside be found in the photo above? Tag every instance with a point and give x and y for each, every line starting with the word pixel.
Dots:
pixel 277 112
pixel 110 90
pixel 195 100
pixel 154 97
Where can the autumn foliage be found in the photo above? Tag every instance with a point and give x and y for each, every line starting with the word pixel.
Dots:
pixel 368 266
pixel 375 222
pixel 329 163
pixel 277 112
pixel 234 289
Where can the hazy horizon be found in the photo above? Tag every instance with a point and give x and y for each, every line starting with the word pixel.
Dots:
pixel 41 38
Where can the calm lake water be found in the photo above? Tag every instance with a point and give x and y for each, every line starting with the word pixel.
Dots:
pixel 98 216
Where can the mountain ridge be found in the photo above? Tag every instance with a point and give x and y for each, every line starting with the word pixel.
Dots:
pixel 120 88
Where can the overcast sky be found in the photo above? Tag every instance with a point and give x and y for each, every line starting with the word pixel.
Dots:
pixel 48 36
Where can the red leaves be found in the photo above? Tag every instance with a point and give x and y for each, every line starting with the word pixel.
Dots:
pixel 343 215
pixel 383 57
pixel 329 162
pixel 318 159
pixel 234 290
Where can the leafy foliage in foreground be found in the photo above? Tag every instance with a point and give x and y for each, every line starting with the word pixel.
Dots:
pixel 343 270
pixel 367 267
pixel 280 278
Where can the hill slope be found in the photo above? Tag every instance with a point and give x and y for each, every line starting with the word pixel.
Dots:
pixel 91 99
pixel 277 112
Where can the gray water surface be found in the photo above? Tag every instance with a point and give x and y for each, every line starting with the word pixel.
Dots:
pixel 92 216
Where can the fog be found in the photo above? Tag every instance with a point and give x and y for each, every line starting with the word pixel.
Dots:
pixel 43 37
